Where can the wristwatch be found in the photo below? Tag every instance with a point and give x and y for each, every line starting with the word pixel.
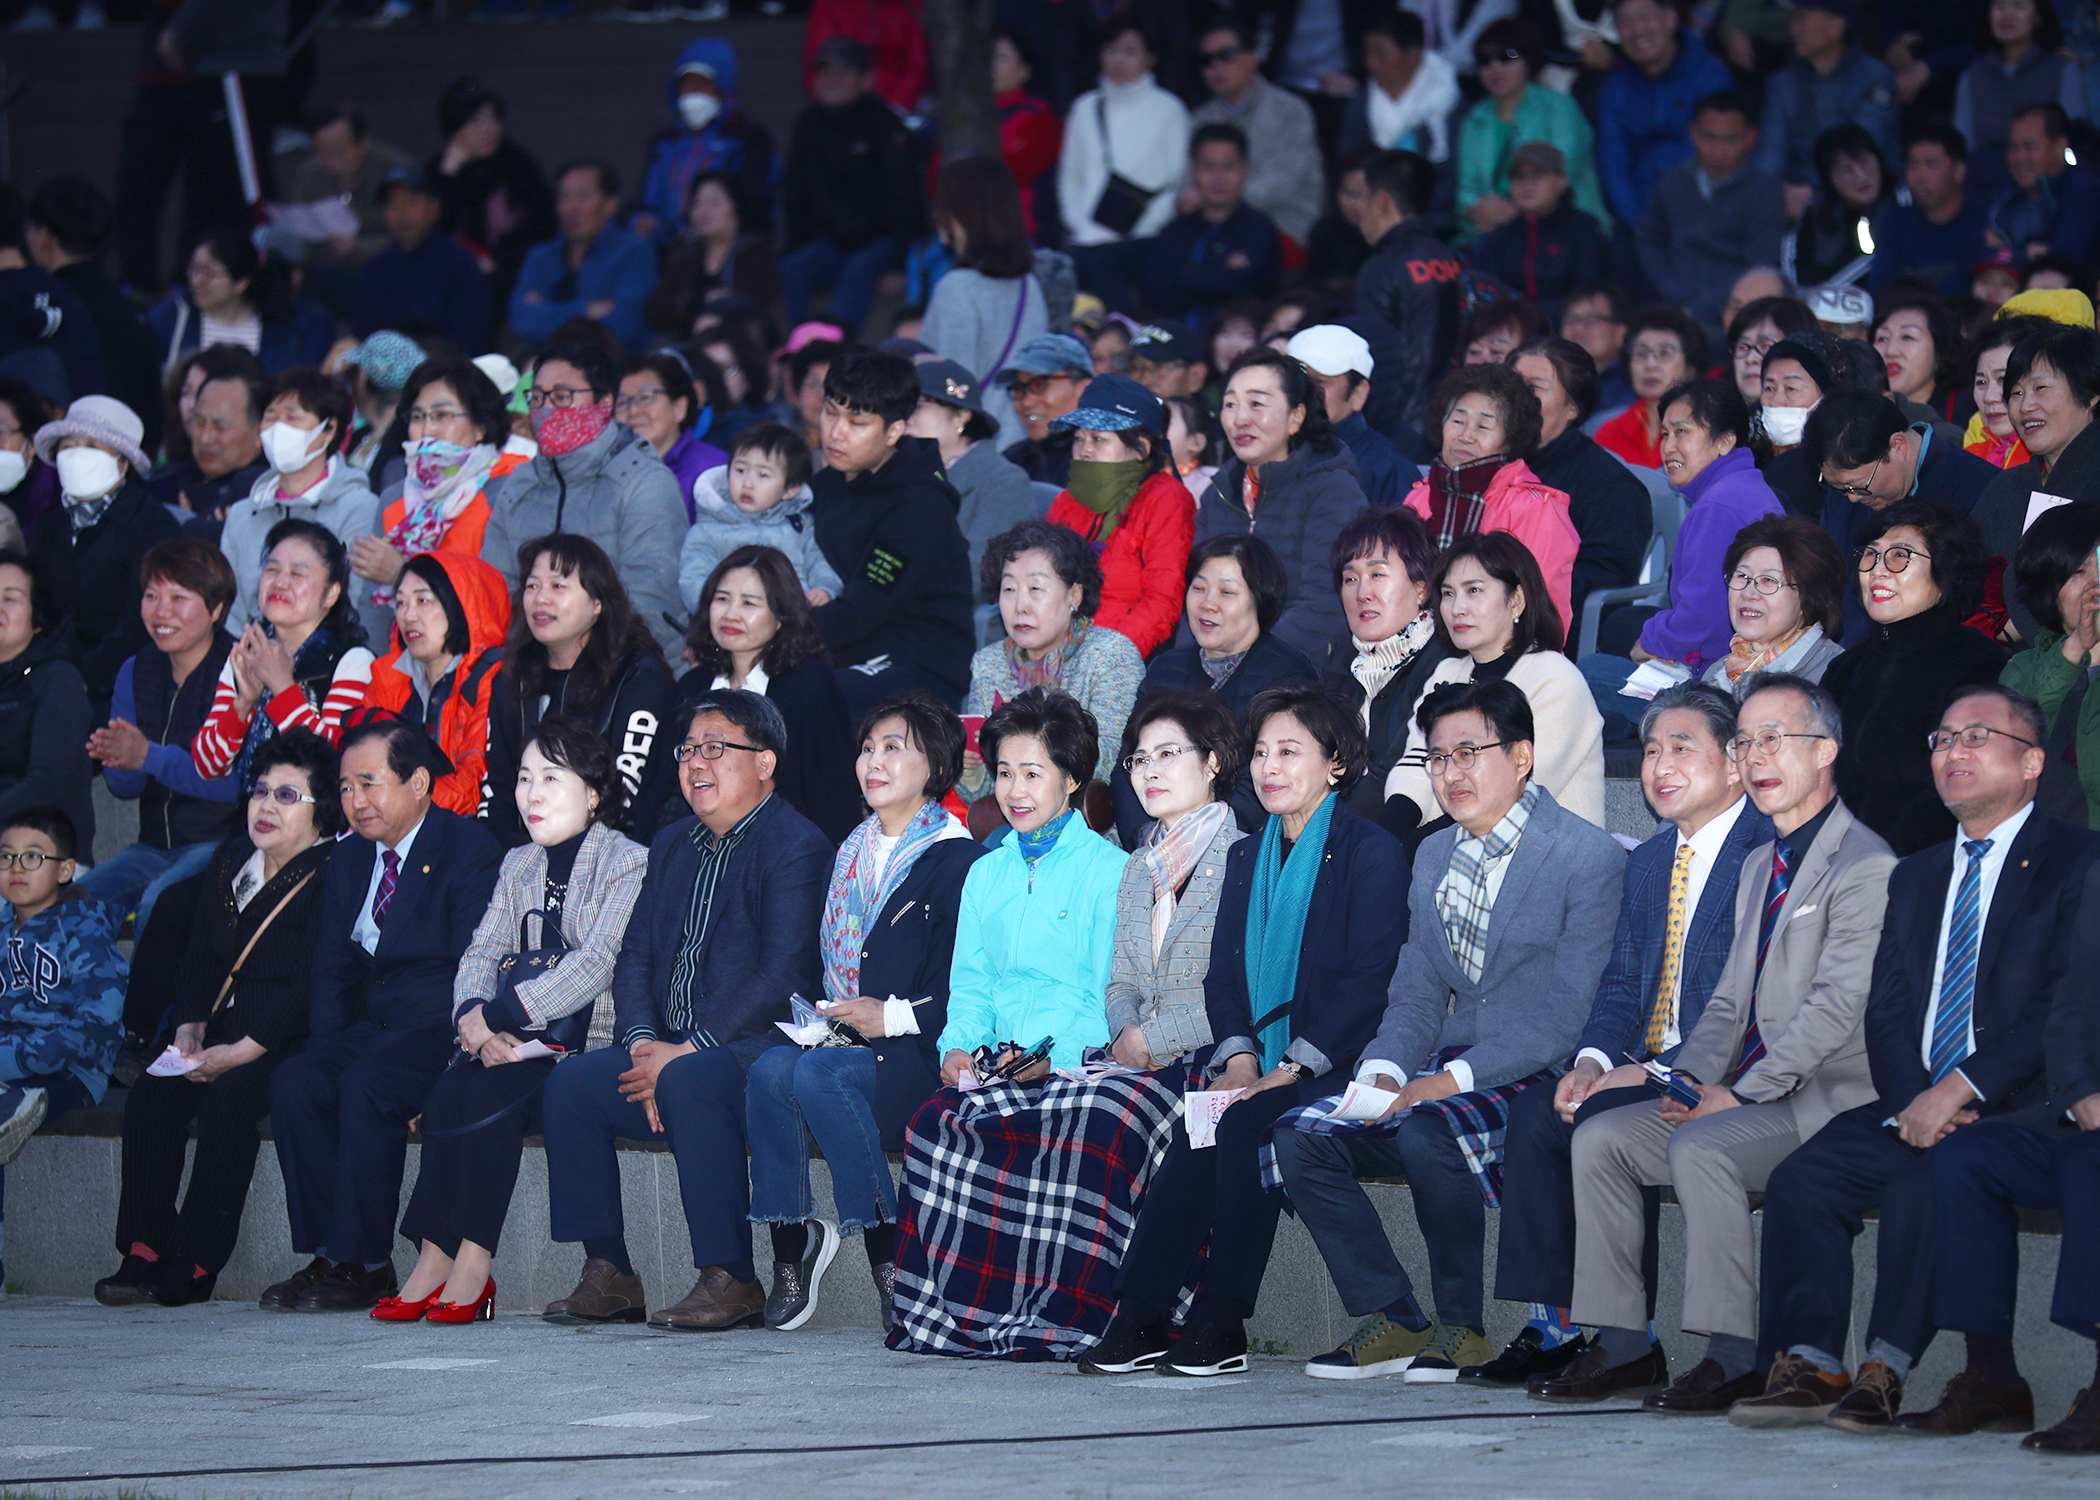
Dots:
pixel 1297 1070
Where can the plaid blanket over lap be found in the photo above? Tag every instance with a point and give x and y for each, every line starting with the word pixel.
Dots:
pixel 1478 1119
pixel 1018 1203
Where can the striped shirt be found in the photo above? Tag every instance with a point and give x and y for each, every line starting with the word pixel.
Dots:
pixel 218 743
pixel 679 1000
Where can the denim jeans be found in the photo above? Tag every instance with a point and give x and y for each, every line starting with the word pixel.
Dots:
pixel 136 875
pixel 849 275
pixel 1606 675
pixel 828 1092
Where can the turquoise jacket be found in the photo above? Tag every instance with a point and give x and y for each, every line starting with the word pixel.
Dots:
pixel 1485 146
pixel 1033 948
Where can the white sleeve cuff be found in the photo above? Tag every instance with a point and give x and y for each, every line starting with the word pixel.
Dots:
pixel 1372 1067
pixel 1461 1073
pixel 899 1018
pixel 1602 1061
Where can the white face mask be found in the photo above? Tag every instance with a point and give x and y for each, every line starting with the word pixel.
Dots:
pixel 88 473
pixel 289 448
pixel 1784 424
pixel 698 110
pixel 12 467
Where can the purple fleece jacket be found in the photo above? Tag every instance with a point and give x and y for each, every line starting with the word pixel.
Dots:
pixel 1728 495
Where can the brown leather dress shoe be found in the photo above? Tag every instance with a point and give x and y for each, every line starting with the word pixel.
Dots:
pixel 1972 1404
pixel 602 1295
pixel 1593 1377
pixel 1870 1407
pixel 285 1295
pixel 717 1301
pixel 1797 1394
pixel 1703 1391
pixel 2077 1433
pixel 349 1287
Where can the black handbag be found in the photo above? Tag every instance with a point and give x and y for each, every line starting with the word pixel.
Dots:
pixel 570 1033
pixel 1122 203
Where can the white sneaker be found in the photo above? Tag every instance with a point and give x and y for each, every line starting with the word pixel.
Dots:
pixel 21 1111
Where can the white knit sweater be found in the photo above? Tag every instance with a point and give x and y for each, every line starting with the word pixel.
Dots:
pixel 1568 735
pixel 1148 143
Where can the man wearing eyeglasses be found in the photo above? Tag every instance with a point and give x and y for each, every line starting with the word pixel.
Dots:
pixel 1283 175
pixel 1044 380
pixel 1776 1052
pixel 724 931
pixel 1975 950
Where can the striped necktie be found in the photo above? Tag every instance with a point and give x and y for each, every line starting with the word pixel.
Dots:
pixel 389 877
pixel 1665 1009
pixel 1950 1027
pixel 1775 897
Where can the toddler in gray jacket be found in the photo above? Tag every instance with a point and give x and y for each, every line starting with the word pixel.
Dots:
pixel 760 498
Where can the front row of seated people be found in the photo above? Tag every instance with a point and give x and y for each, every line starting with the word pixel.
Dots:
pixel 1919 1038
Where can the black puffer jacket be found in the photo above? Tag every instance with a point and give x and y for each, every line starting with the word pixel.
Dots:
pixel 1305 501
pixel 1412 281
pixel 43 725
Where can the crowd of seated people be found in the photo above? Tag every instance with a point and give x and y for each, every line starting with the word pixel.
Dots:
pixel 1006 668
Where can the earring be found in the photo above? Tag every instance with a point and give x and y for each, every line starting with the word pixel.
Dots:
pixel 1518 618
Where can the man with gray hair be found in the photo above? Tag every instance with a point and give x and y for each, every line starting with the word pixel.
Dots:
pixel 1776 1053
pixel 724 931
pixel 1676 922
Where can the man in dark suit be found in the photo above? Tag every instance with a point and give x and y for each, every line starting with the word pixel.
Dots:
pixel 1973 950
pixel 724 931
pixel 1676 922
pixel 395 919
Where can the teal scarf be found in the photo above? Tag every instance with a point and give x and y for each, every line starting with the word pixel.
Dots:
pixel 1276 909
pixel 1035 845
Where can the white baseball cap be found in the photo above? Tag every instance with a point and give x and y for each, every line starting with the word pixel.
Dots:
pixel 1330 349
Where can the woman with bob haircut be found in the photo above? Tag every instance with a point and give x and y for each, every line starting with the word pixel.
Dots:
pixel 1490 424
pixel 888 941
pixel 1034 939
pixel 1308 931
pixel 1786 588
pixel 1492 611
pixel 580 879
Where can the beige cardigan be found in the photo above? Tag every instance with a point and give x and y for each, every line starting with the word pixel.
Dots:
pixel 1568 743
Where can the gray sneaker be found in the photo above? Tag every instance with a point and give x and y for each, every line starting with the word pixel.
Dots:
pixel 795 1282
pixel 21 1111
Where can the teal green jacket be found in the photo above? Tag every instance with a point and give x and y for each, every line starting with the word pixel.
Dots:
pixel 2043 675
pixel 1485 146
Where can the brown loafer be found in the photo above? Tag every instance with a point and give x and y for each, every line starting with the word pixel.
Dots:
pixel 602 1295
pixel 1593 1377
pixel 717 1301
pixel 284 1296
pixel 1797 1394
pixel 1870 1407
pixel 1972 1404
pixel 2077 1433
pixel 1704 1391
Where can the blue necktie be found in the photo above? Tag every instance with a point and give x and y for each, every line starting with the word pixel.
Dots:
pixel 1950 1027
pixel 1775 897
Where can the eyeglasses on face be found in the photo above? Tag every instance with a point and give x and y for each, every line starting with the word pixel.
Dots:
pixel 634 399
pixel 31 860
pixel 1032 385
pixel 1464 758
pixel 1223 55
pixel 1506 55
pixel 1762 583
pixel 561 396
pixel 708 750
pixel 434 414
pixel 1861 490
pixel 1164 757
pixel 1657 353
pixel 1753 348
pixel 1895 559
pixel 1765 742
pixel 1969 737
pixel 285 795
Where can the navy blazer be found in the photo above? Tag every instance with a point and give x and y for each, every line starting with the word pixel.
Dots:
pixel 1353 932
pixel 908 952
pixel 2024 960
pixel 1618 1023
pixel 761 942
pixel 440 897
pixel 2074 1021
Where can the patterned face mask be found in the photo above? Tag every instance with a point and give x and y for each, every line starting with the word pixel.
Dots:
pixel 564 429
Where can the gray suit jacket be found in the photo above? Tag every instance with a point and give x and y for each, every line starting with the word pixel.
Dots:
pixel 1166 997
pixel 1813 995
pixel 1548 938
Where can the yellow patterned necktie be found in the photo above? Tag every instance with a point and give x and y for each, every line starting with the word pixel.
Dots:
pixel 1673 952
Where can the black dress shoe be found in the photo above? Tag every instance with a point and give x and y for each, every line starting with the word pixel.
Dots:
pixel 1593 1377
pixel 285 1295
pixel 2077 1433
pixel 1525 1358
pixel 123 1289
pixel 349 1287
pixel 175 1283
pixel 1703 1391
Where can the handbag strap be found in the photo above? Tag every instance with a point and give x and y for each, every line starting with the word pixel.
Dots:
pixel 525 943
pixel 1013 332
pixel 256 936
pixel 1108 145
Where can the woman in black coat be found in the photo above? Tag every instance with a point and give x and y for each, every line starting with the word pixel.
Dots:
pixel 44 716
pixel 754 630
pixel 888 939
pixel 1921 575
pixel 240 1010
pixel 1237 588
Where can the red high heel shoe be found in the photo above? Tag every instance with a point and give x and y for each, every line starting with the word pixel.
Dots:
pixel 394 1310
pixel 481 1310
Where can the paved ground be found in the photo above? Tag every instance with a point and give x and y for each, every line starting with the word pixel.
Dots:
pixel 227 1402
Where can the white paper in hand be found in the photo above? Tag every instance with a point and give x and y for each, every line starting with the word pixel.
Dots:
pixel 171 1064
pixel 1362 1102
pixel 1201 1111
pixel 1651 677
pixel 527 1051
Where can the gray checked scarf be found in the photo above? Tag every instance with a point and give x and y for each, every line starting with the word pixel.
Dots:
pixel 1462 897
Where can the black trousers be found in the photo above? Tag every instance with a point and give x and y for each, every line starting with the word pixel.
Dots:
pixel 1214 1194
pixel 181 126
pixel 463 1188
pixel 1814 1203
pixel 341 1110
pixel 157 1116
pixel 1535 1251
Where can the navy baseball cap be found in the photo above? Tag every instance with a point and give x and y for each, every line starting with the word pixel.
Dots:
pixel 1115 403
pixel 1165 344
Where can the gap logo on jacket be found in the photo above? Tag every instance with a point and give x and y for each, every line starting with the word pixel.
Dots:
pixel 62 980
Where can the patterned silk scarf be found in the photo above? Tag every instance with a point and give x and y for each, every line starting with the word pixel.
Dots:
pixel 1170 856
pixel 859 892
pixel 1377 665
pixel 432 497
pixel 1034 846
pixel 1458 497
pixel 1747 656
pixel 1047 670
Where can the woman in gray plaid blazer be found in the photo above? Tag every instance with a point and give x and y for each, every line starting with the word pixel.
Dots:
pixel 1182 750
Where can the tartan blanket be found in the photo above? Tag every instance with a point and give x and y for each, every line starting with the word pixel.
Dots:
pixel 1018 1202
pixel 1479 1120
